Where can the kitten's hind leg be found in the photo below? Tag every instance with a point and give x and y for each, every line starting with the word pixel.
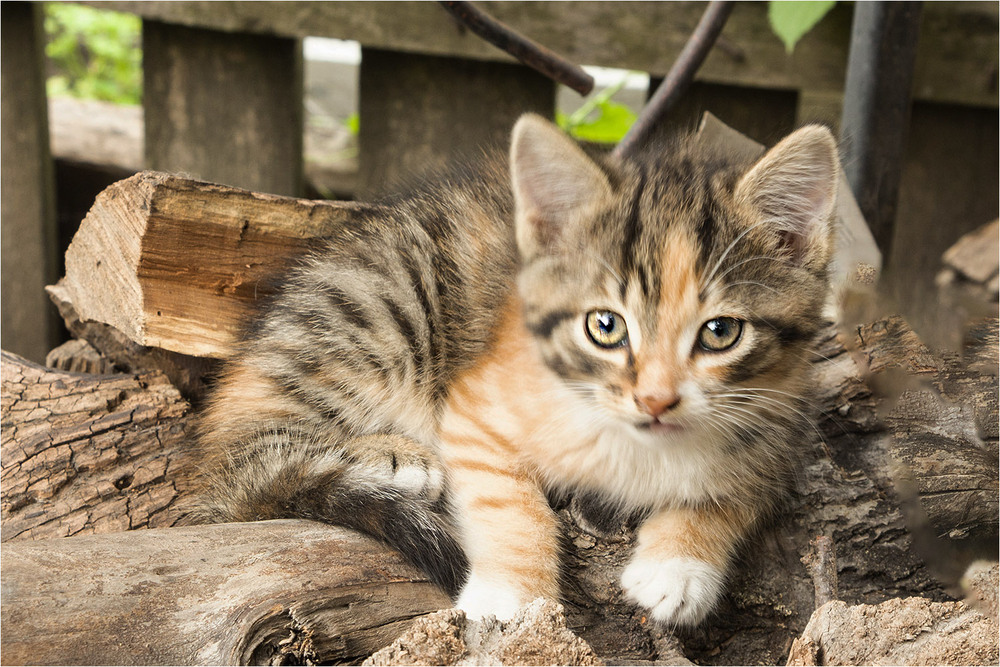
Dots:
pixel 400 463
pixel 367 484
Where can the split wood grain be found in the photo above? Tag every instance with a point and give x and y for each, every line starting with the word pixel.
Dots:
pixel 176 263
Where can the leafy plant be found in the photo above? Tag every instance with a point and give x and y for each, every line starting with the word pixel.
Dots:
pixel 610 123
pixel 791 19
pixel 93 54
pixel 353 123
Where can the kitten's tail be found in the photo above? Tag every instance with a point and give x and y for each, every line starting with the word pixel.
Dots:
pixel 275 477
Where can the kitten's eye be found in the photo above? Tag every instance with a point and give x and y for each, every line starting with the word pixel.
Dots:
pixel 720 333
pixel 606 329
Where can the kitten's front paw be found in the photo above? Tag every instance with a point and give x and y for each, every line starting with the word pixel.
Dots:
pixel 480 599
pixel 677 591
pixel 401 463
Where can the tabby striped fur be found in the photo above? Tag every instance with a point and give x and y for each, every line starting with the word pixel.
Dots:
pixel 427 375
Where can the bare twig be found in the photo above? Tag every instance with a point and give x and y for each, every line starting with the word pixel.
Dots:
pixel 680 76
pixel 530 53
pixel 821 563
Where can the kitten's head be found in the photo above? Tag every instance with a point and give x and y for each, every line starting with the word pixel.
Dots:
pixel 674 289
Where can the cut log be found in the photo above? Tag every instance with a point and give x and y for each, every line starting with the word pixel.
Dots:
pixel 186 372
pixel 89 453
pixel 175 263
pixel 905 449
pixel 285 592
pixel 974 257
pixel 79 356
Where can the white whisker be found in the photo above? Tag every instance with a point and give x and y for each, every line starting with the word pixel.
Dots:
pixel 753 282
pixel 710 275
pixel 756 258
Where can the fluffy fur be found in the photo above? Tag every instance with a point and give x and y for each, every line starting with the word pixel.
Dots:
pixel 635 330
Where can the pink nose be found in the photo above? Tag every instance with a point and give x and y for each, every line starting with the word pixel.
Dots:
pixel 656 405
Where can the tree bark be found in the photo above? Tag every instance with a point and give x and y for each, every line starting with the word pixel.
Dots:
pixel 276 592
pixel 90 453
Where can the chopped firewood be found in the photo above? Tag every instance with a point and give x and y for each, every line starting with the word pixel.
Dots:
pixel 176 264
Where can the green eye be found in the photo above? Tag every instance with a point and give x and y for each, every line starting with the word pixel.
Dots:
pixel 720 334
pixel 606 329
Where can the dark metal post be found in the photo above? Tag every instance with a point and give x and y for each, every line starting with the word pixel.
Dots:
pixel 876 116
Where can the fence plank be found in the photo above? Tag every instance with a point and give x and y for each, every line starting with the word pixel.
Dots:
pixel 420 112
pixel 957 59
pixel 29 323
pixel 224 107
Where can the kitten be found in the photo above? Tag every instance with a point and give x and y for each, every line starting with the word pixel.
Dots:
pixel 636 329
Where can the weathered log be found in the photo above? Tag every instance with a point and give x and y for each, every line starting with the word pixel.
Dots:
pixel 265 593
pixel 537 635
pixel 846 493
pixel 186 372
pixel 902 450
pixel 173 263
pixel 89 453
pixel 906 631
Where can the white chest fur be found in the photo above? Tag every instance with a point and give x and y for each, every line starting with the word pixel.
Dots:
pixel 575 449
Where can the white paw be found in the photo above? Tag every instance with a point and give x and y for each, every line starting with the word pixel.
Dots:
pixel 402 464
pixel 677 591
pixel 417 478
pixel 480 599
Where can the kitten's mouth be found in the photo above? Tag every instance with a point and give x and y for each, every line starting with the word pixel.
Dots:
pixel 656 426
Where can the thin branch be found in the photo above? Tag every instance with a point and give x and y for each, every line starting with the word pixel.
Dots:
pixel 821 563
pixel 530 53
pixel 680 76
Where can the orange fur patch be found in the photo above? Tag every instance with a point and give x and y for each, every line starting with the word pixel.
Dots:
pixel 709 533
pixel 511 531
pixel 244 399
pixel 661 367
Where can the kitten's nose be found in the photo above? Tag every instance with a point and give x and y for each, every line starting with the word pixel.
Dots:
pixel 656 405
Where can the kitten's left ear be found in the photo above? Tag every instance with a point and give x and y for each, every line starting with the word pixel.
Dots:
pixel 794 188
pixel 555 184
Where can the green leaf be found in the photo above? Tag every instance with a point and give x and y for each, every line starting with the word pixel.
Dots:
pixel 791 19
pixel 599 119
pixel 609 127
pixel 353 123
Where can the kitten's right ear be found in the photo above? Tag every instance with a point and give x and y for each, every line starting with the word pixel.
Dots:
pixel 555 184
pixel 794 186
